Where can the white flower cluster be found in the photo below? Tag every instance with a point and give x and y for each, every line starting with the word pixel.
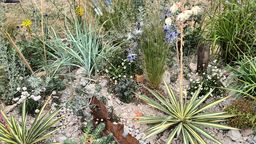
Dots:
pixel 213 78
pixel 184 15
pixel 25 95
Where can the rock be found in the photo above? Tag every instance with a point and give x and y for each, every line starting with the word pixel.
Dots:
pixel 61 138
pixel 193 67
pixel 234 135
pixel 254 139
pixel 8 109
pixel 246 132
pixel 126 131
pixel 227 140
pixel 140 136
pixel 91 89
pixel 103 82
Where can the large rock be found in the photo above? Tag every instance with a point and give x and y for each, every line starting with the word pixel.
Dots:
pixel 235 135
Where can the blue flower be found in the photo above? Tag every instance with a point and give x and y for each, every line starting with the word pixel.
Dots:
pixel 171 34
pixel 131 57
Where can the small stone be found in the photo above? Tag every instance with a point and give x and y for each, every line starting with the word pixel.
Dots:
pixel 234 135
pixel 103 82
pixel 61 138
pixel 254 139
pixel 227 140
pixel 140 136
pixel 246 132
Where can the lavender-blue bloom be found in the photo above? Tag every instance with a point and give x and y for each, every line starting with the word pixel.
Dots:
pixel 131 57
pixel 167 13
pixel 170 34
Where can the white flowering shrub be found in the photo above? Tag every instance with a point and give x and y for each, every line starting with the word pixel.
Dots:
pixel 121 67
pixel 34 90
pixel 213 78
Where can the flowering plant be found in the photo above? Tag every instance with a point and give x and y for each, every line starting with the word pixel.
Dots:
pixel 187 17
pixel 212 78
pixel 122 67
pixel 34 90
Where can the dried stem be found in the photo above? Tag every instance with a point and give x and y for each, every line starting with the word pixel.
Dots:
pixel 21 56
pixel 42 29
pixel 181 60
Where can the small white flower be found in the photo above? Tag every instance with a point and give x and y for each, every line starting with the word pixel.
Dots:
pixel 168 21
pixel 54 92
pixel 98 11
pixel 36 98
pixel 129 36
pixel 119 75
pixel 174 8
pixel 197 10
pixel 37 111
pixel 124 67
pixel 16 99
pixel 131 77
pixel 24 88
pixel 182 17
pixel 18 89
pixel 106 71
pixel 189 13
pixel 137 32
pixel 24 93
pixel 124 76
pixel 122 63
pixel 43 89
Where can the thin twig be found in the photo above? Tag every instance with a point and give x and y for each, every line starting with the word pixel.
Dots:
pixel 42 29
pixel 17 49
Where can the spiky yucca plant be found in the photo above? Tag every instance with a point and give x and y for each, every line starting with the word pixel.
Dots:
pixel 186 120
pixel 11 132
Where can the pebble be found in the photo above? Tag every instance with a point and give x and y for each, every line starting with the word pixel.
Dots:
pixel 246 132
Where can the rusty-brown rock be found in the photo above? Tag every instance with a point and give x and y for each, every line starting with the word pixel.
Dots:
pixel 99 111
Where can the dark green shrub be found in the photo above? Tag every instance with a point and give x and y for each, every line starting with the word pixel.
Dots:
pixel 125 89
